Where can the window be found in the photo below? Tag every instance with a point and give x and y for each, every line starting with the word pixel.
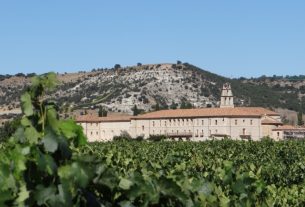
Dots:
pixel 235 121
pixel 243 121
pixel 202 134
pixel 251 121
pixel 244 131
pixel 153 123
pixel 215 122
pixel 91 133
pixel 96 133
pixel 278 134
pixel 165 123
pixel 216 131
pixel 143 128
pixel 202 122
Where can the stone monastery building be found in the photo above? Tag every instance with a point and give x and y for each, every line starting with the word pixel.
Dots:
pixel 191 124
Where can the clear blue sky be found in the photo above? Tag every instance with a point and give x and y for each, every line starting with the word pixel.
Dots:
pixel 229 37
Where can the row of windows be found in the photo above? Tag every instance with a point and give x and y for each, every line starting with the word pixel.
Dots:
pixel 181 122
pixel 177 131
pixel 103 132
pixel 197 133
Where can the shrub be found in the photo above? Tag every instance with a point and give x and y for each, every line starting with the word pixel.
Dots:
pixel 156 138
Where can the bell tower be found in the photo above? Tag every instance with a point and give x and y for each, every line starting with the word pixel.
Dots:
pixel 227 99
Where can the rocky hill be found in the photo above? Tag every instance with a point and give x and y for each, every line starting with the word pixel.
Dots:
pixel 157 86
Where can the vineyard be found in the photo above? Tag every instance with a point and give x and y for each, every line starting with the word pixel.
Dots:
pixel 47 162
pixel 215 173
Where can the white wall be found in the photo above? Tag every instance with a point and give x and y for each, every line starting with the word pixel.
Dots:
pixel 200 128
pixel 104 131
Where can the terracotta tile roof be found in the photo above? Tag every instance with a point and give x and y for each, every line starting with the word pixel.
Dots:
pixel 270 121
pixel 289 128
pixel 208 112
pixel 92 118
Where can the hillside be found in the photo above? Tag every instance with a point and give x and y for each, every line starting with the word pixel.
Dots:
pixel 157 86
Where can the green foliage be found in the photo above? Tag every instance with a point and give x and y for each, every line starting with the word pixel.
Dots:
pixel 135 110
pixel 7 130
pixel 117 66
pixel 300 118
pixel 102 112
pixel 173 105
pixel 124 136
pixel 36 164
pixel 186 105
pixel 157 138
pixel 212 173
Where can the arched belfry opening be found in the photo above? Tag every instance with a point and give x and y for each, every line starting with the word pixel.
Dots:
pixel 227 99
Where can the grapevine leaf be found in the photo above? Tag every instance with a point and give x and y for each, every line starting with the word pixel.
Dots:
pixel 22 195
pixel 52 119
pixel 25 122
pixel 46 163
pixel 238 187
pixel 50 142
pixel 75 172
pixel 32 135
pixel 68 128
pixel 26 104
pixel 125 184
pixel 126 204
pixel 5 196
pixel 19 136
pixel 224 201
pixel 43 194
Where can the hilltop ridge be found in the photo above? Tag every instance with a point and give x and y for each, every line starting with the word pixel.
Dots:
pixel 158 86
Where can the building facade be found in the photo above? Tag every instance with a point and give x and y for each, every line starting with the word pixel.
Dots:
pixel 249 123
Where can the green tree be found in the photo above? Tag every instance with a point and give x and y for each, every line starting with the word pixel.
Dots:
pixel 182 106
pixel 135 110
pixel 173 105
pixel 102 112
pixel 156 107
pixel 186 105
pixel 117 66
pixel 300 118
